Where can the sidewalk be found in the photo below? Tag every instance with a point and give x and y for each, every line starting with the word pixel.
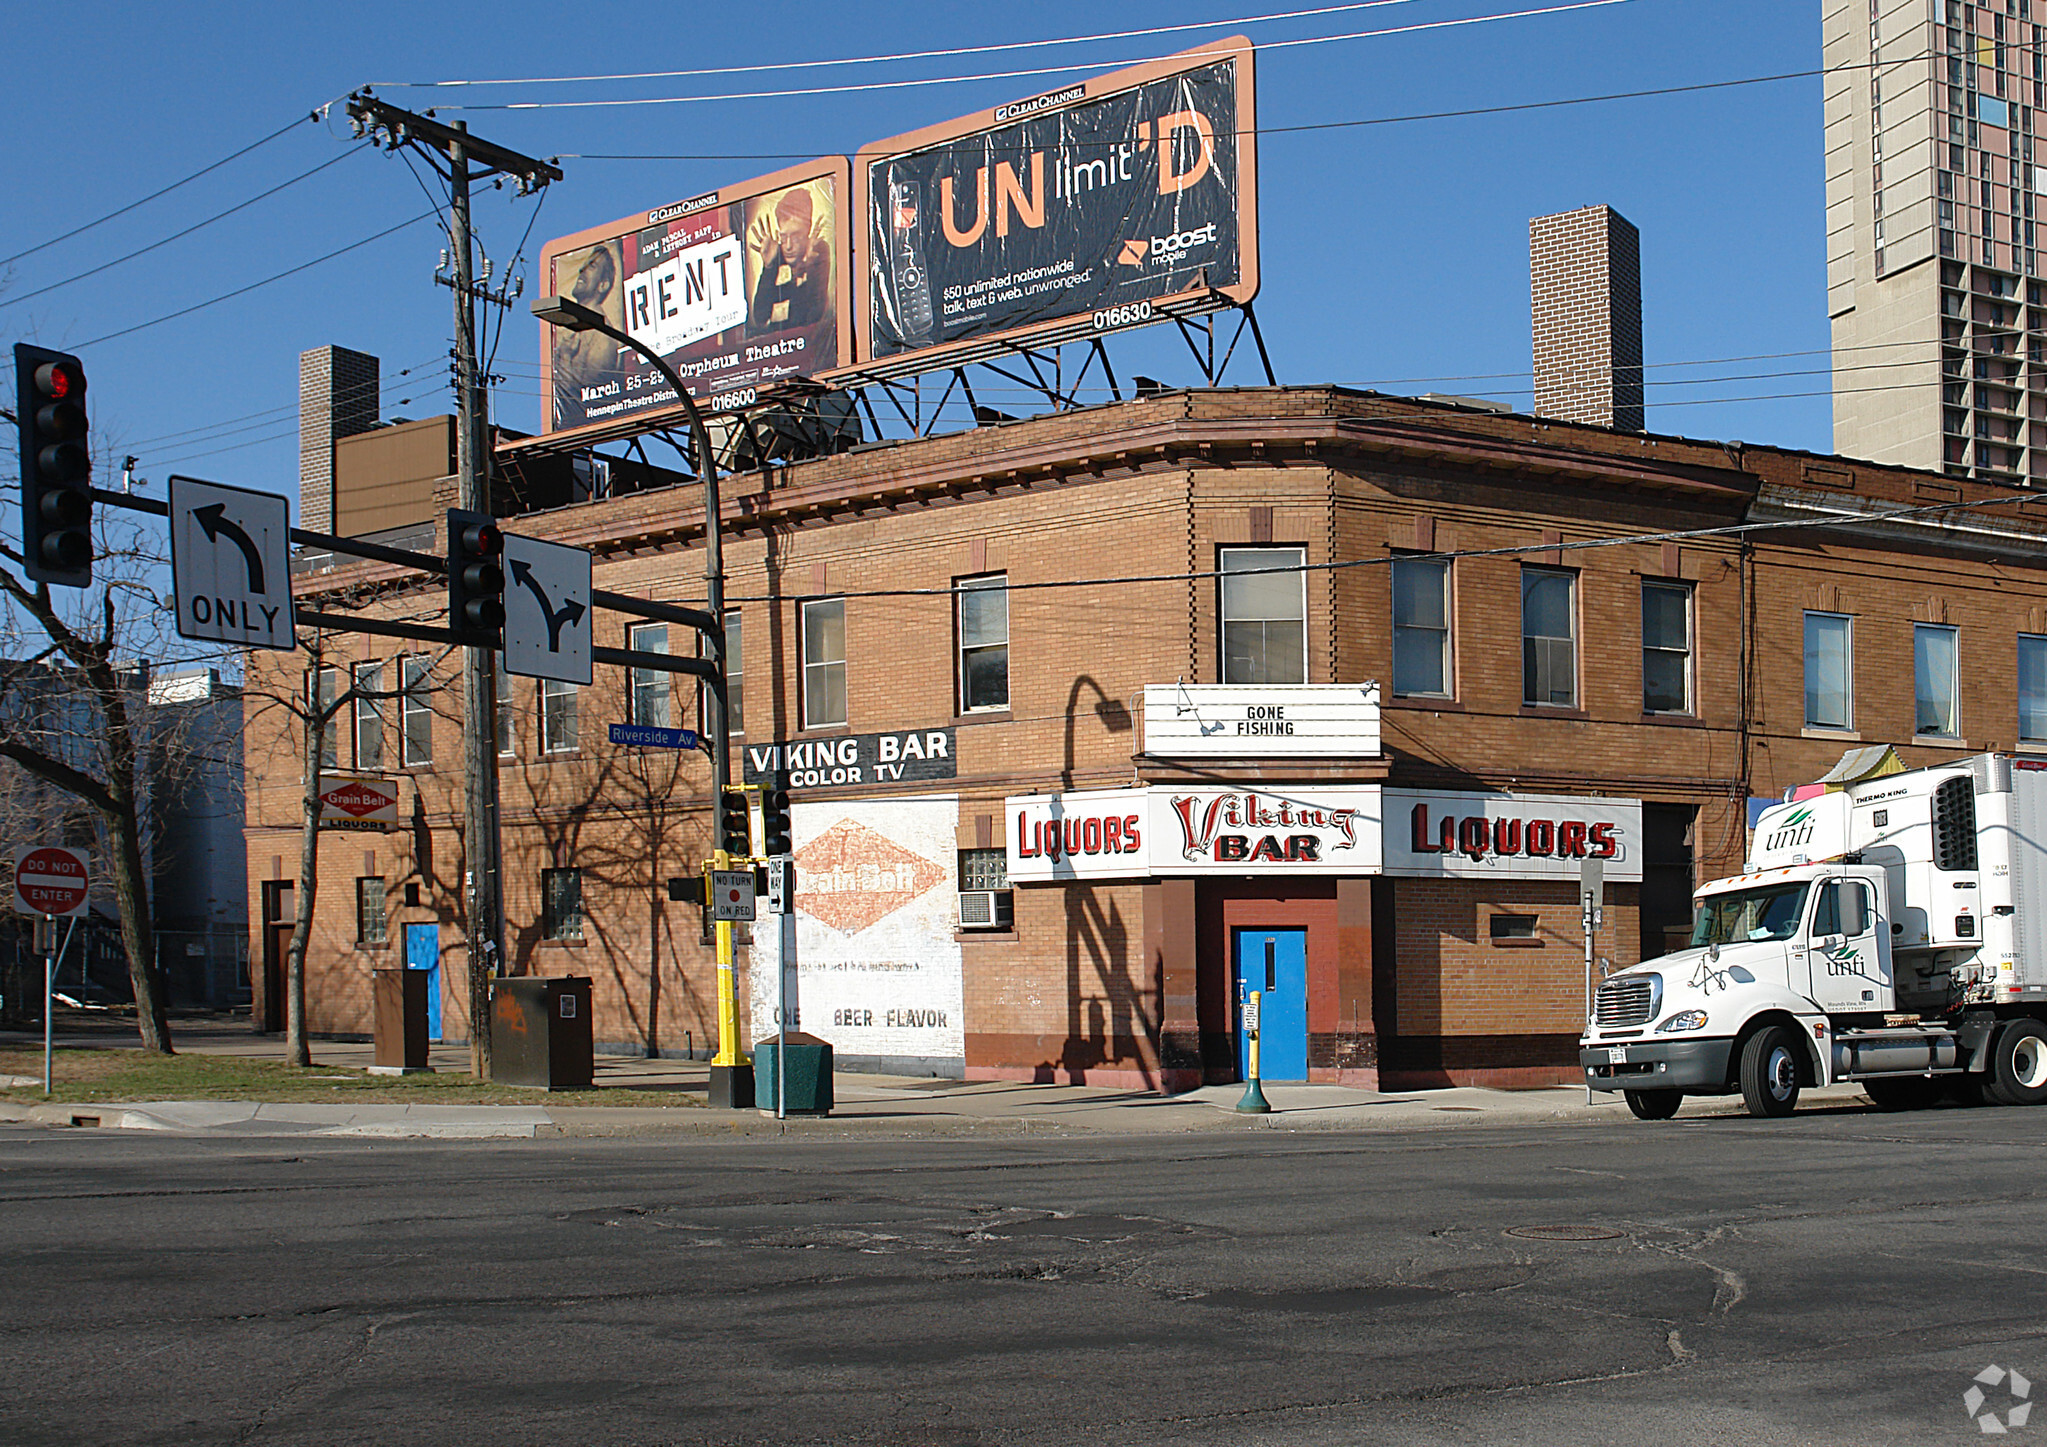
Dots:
pixel 864 1105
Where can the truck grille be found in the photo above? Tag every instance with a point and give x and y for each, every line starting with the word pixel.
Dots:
pixel 1624 1003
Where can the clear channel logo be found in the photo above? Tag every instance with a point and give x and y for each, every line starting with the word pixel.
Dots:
pixel 2006 1389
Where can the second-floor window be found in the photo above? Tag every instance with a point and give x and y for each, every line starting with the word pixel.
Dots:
pixel 558 722
pixel 824 663
pixel 508 724
pixel 1264 615
pixel 983 617
pixel 1829 672
pixel 735 676
pixel 651 688
pixel 369 716
pixel 1549 637
pixel 1421 627
pixel 327 688
pixel 1933 676
pixel 2033 688
pixel 1666 648
pixel 415 711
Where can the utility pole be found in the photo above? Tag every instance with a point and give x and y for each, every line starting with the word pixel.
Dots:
pixel 461 159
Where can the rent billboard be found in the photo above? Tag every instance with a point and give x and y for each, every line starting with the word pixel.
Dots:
pixel 736 289
pixel 1086 205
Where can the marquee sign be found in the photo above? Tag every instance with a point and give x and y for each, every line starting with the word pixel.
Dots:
pixel 1271 721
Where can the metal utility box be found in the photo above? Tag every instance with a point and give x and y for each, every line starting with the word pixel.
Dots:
pixel 540 1032
pixel 808 1074
pixel 400 1001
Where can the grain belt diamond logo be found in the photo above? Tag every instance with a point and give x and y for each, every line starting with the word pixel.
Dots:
pixel 851 877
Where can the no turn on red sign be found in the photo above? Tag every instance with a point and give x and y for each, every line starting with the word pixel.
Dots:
pixel 50 879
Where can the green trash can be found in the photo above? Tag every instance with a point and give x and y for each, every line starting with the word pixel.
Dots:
pixel 809 1075
pixel 540 1032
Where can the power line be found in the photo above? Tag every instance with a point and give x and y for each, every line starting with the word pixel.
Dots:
pixel 180 235
pixel 1068 69
pixel 123 211
pixel 393 383
pixel 252 286
pixel 903 55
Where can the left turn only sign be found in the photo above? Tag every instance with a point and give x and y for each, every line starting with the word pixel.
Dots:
pixel 231 564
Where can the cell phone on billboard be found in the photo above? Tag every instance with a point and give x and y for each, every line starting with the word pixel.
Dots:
pixel 914 316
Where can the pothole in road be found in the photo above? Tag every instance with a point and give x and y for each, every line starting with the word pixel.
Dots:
pixel 1569 1232
pixel 1329 1302
pixel 1084 1228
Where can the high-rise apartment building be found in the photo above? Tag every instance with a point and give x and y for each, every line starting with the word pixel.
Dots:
pixel 1934 281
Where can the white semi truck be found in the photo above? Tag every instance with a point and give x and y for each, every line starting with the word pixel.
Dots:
pixel 1892 933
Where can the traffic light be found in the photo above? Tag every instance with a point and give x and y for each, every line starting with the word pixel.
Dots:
pixel 735 827
pixel 56 469
pixel 775 826
pixel 476 580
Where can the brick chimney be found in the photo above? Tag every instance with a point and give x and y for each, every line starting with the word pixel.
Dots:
pixel 338 395
pixel 1585 282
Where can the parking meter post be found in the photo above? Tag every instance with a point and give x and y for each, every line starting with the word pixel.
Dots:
pixel 1254 1102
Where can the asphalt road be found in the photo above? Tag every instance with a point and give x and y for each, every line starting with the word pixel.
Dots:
pixel 1835 1278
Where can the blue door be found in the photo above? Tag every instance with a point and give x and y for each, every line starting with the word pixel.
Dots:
pixel 423 952
pixel 1275 961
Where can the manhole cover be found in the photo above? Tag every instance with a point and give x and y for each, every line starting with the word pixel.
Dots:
pixel 1565 1233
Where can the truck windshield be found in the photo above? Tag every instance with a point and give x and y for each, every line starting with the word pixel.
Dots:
pixel 1771 913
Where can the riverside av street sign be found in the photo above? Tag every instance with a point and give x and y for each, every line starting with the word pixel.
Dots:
pixel 50 879
pixel 547 610
pixel 231 564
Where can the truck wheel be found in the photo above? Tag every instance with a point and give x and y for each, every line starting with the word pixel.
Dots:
pixel 1769 1071
pixel 1654 1104
pixel 2018 1064
pixel 1911 1092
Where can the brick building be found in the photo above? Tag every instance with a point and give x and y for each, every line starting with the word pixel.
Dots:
pixel 1450 651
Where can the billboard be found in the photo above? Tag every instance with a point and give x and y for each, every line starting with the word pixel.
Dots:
pixel 736 289
pixel 1079 210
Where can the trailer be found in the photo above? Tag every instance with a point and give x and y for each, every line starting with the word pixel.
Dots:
pixel 1891 932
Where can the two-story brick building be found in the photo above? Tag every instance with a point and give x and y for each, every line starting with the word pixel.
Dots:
pixel 1455 652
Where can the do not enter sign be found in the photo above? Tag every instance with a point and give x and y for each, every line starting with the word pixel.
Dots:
pixel 50 879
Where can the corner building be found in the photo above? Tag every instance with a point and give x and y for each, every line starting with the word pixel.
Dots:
pixel 1099 721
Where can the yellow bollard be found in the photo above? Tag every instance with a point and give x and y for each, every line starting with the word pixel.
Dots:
pixel 1254 1102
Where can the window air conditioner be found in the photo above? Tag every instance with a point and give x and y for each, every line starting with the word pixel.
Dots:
pixel 985 909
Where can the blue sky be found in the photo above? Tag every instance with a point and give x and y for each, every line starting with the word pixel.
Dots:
pixel 1391 252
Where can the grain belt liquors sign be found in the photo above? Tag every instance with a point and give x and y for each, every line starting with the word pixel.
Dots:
pixel 1431 834
pixel 1318 830
pixel 1271 721
pixel 857 760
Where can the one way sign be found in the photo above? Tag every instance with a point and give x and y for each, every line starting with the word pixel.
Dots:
pixel 231 564
pixel 547 610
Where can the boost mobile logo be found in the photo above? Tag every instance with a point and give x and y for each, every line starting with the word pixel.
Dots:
pixel 1165 250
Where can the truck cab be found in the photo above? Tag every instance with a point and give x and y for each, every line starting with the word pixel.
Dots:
pixel 1878 936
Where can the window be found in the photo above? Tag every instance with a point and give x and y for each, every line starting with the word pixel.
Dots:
pixel 2033 688
pixel 1933 675
pixel 369 716
pixel 557 716
pixel 415 713
pixel 1666 648
pixel 1549 644
pixel 1841 908
pixel 1829 676
pixel 824 663
pixel 984 642
pixel 561 898
pixel 985 898
pixel 508 738
pixel 1264 616
pixel 326 688
pixel 735 679
pixel 369 910
pixel 1421 627
pixel 652 693
pixel 1513 927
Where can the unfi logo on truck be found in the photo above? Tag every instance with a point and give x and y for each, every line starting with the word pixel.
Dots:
pixel 1793 830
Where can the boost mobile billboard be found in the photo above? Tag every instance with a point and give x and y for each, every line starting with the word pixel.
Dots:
pixel 1090 202
pixel 736 290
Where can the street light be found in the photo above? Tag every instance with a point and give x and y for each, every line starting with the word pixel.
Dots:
pixel 731 1082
